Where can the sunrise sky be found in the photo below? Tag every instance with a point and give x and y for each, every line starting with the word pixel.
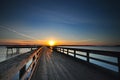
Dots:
pixel 67 22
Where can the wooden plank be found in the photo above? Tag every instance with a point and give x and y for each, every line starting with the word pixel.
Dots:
pixel 11 66
pixel 56 66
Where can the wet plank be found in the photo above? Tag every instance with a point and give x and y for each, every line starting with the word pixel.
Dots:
pixel 56 66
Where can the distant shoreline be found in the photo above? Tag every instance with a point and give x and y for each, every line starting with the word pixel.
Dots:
pixel 71 45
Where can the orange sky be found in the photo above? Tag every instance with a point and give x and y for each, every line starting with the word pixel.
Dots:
pixel 46 42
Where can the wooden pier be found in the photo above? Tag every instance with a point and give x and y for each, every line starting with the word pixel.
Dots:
pixel 57 64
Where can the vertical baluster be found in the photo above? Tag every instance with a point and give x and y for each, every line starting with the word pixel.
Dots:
pixel 67 51
pixel 34 57
pixel 22 71
pixel 88 57
pixel 63 50
pixel 60 49
pixel 34 62
pixel 12 51
pixel 119 64
pixel 17 50
pixel 74 53
pixel 7 52
pixel 31 49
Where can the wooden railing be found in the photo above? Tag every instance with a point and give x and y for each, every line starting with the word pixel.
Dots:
pixel 88 57
pixel 18 64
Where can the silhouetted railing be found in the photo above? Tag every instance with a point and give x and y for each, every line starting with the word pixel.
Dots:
pixel 18 64
pixel 87 53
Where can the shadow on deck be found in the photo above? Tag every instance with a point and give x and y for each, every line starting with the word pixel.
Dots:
pixel 56 66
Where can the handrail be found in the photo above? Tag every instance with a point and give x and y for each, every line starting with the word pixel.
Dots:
pixel 10 67
pixel 101 52
pixel 89 51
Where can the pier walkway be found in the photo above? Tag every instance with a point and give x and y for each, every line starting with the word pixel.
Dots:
pixel 57 66
pixel 44 63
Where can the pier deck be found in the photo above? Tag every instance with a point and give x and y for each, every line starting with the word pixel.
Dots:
pixel 56 66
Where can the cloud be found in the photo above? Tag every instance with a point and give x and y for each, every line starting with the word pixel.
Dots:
pixel 20 34
pixel 22 42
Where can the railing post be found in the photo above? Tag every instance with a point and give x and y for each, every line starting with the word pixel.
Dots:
pixel 7 52
pixel 67 51
pixel 17 50
pixel 119 64
pixel 9 49
pixel 31 49
pixel 33 61
pixel 63 50
pixel 34 58
pixel 54 48
pixel 74 53
pixel 22 71
pixel 60 49
pixel 88 57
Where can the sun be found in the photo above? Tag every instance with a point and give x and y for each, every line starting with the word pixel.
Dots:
pixel 51 43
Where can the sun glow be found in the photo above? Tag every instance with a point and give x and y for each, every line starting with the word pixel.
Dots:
pixel 51 43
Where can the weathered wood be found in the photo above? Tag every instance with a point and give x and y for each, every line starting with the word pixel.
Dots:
pixel 56 66
pixel 88 57
pixel 17 50
pixel 22 71
pixel 9 50
pixel 99 52
pixel 119 63
pixel 11 66
pixel 60 49
pixel 67 51
pixel 35 62
pixel 63 51
pixel 74 54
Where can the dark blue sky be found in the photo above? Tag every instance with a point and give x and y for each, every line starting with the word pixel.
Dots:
pixel 90 21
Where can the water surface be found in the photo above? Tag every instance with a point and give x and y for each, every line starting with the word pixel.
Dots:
pixel 4 56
